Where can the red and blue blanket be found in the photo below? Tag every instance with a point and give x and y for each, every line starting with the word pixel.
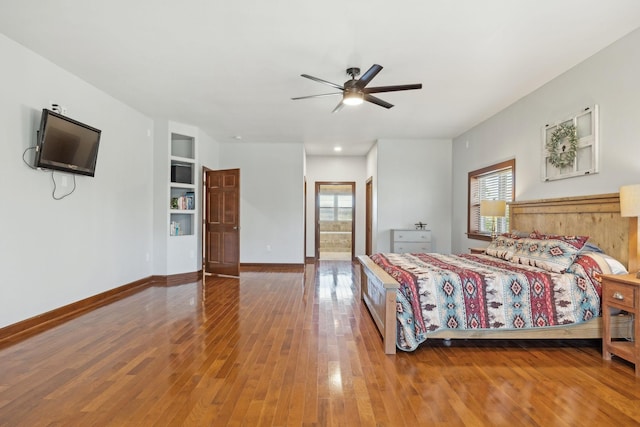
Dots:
pixel 482 292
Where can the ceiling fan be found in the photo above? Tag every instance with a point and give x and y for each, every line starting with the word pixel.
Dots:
pixel 355 91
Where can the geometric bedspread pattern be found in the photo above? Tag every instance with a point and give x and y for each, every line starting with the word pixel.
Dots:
pixel 483 292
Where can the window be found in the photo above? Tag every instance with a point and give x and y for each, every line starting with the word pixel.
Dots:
pixel 496 182
pixel 336 207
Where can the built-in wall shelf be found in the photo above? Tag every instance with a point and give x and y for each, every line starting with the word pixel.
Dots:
pixel 182 188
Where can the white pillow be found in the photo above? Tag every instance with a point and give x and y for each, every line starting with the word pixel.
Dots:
pixel 616 266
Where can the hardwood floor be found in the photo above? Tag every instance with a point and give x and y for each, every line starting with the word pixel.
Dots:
pixel 298 349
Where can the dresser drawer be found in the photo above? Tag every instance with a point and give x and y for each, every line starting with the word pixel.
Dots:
pixel 620 294
pixel 411 235
pixel 411 247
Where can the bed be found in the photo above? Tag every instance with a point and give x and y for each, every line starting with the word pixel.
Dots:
pixel 595 216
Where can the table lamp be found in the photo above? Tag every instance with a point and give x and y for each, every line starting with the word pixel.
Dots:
pixel 630 207
pixel 494 209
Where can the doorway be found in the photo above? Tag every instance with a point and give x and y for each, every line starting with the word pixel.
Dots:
pixel 335 213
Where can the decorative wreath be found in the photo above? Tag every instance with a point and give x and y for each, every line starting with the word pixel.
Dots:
pixel 562 155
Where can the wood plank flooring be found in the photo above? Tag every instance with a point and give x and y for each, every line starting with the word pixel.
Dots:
pixel 279 348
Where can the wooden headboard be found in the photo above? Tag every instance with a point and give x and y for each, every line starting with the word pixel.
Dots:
pixel 595 216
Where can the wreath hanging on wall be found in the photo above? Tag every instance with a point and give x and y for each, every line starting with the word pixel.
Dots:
pixel 561 154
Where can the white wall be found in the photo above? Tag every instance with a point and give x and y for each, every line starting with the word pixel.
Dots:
pixel 271 200
pixel 333 168
pixel 160 189
pixel 53 253
pixel 372 172
pixel 609 79
pixel 414 184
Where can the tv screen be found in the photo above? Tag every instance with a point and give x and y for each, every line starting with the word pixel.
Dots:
pixel 67 145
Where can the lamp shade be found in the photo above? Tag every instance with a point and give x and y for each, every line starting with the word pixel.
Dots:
pixel 630 200
pixel 492 207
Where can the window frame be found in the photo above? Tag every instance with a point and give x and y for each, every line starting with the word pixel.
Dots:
pixel 335 206
pixel 476 174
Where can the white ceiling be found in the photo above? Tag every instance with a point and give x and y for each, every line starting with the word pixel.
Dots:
pixel 232 67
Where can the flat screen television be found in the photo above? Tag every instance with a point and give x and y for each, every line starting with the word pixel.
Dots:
pixel 66 145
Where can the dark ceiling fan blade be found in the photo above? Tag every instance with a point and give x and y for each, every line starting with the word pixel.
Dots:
pixel 338 107
pixel 392 88
pixel 377 101
pixel 317 96
pixel 315 79
pixel 368 76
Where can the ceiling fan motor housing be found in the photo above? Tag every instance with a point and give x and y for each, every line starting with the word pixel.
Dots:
pixel 353 72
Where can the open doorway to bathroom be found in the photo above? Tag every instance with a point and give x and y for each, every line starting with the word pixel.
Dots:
pixel 335 208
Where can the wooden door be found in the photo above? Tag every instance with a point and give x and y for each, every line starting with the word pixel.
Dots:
pixel 221 228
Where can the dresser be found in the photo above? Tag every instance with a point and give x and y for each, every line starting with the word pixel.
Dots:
pixel 415 241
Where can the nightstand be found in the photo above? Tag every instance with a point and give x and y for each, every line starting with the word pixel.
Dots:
pixel 477 250
pixel 621 292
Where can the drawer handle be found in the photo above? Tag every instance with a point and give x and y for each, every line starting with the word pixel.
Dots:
pixel 618 296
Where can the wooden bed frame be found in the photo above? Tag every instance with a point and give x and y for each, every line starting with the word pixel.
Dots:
pixel 595 216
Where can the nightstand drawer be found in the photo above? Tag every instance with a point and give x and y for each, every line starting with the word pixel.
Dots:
pixel 620 294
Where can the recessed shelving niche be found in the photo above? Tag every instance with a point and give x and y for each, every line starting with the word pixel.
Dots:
pixel 182 188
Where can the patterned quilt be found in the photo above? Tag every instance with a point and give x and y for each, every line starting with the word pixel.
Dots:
pixel 483 292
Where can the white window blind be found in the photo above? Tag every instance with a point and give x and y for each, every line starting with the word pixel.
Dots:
pixel 495 184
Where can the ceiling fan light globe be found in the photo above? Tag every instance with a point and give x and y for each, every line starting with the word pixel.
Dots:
pixel 352 98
